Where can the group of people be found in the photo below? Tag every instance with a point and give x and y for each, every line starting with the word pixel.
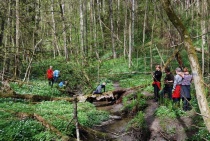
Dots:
pixel 177 87
pixel 53 76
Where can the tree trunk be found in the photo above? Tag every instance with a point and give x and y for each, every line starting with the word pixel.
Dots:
pixel 100 23
pixel 144 30
pixel 17 39
pixel 76 118
pixel 204 31
pixel 112 28
pixel 130 44
pixel 81 29
pixel 197 77
pixel 55 40
pixel 125 29
pixel 62 10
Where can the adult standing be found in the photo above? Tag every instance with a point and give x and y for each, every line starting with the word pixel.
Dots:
pixel 50 76
pixel 185 89
pixel 177 86
pixel 168 84
pixel 157 82
pixel 56 74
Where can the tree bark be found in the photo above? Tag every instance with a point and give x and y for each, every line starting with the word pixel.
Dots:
pixel 81 28
pixel 112 28
pixel 62 10
pixel 197 76
pixel 17 36
pixel 55 40
pixel 125 52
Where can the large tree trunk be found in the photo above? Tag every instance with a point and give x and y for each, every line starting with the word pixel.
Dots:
pixel 197 76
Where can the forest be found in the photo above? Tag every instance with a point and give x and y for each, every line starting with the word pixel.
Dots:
pixel 117 43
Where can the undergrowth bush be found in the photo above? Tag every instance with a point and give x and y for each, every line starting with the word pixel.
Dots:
pixel 137 122
pixel 134 101
pixel 38 88
pixel 57 113
pixel 169 112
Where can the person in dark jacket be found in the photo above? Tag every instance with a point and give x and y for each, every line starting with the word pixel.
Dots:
pixel 156 82
pixel 168 84
pixel 99 88
pixel 185 89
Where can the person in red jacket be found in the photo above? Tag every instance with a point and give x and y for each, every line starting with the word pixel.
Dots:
pixel 50 76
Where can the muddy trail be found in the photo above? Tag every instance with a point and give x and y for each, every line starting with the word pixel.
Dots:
pixel 116 126
pixel 157 129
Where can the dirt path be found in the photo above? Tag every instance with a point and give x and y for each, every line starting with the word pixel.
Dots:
pixel 152 122
pixel 171 129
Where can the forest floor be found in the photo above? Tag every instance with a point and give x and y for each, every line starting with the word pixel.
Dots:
pixel 161 129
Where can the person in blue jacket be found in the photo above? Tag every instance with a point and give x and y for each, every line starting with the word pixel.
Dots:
pixel 99 88
pixel 62 84
pixel 56 74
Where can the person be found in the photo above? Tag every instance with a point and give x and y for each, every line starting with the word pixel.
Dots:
pixel 99 88
pixel 177 86
pixel 157 82
pixel 168 81
pixel 185 89
pixel 50 76
pixel 62 84
pixel 56 74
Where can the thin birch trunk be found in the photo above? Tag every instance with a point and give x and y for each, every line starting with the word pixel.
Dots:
pixel 27 73
pixel 81 29
pixel 62 9
pixel 17 36
pixel 204 31
pixel 144 29
pixel 130 42
pixel 112 28
pixel 125 29
pixel 6 40
pixel 76 118
pixel 100 23
pixel 55 40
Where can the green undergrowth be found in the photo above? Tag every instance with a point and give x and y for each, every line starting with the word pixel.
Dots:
pixel 37 87
pixel 134 102
pixel 13 126
pixel 138 121
pixel 168 109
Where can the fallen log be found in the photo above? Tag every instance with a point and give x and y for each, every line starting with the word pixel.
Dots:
pixel 33 98
pixel 108 96
pixel 52 128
